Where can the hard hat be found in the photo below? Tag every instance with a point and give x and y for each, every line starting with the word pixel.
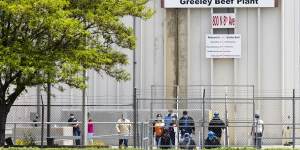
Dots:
pixel 210 133
pixel 216 114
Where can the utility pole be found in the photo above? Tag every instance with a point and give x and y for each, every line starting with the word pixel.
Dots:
pixel 135 107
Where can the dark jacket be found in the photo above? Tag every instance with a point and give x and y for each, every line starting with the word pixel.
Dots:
pixel 74 125
pixel 216 125
pixel 186 125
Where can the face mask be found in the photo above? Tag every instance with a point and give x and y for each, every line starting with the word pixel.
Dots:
pixel 185 116
pixel 72 117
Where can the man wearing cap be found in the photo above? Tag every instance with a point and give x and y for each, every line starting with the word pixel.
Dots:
pixel 216 125
pixel 76 130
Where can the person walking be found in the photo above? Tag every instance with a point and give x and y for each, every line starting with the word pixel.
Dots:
pixel 76 129
pixel 216 125
pixel 123 127
pixel 257 131
pixel 186 124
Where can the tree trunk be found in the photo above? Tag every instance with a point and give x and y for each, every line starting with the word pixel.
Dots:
pixel 3 117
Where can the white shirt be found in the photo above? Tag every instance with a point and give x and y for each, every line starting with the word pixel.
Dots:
pixel 258 126
pixel 123 127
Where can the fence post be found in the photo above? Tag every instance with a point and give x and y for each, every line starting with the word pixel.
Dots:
pixel 203 118
pixel 226 120
pixel 150 129
pixel 142 135
pixel 253 113
pixel 84 114
pixel 15 130
pixel 48 109
pixel 151 119
pixel 42 126
pixel 134 119
pixel 177 113
pixel 294 126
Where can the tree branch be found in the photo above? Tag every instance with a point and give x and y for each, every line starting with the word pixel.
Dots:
pixel 12 97
pixel 10 80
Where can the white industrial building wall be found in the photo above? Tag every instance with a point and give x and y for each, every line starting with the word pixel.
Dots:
pixel 269 59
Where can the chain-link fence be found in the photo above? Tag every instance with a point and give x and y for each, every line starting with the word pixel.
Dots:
pixel 236 106
pixel 28 123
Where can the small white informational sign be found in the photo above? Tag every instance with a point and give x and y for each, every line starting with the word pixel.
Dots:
pixel 223 20
pixel 223 46
pixel 217 3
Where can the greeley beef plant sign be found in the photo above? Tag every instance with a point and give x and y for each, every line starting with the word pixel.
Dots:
pixel 216 3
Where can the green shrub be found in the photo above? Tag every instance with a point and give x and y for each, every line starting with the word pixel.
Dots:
pixel 27 140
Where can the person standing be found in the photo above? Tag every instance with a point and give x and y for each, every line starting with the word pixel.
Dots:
pixel 76 128
pixel 257 131
pixel 90 131
pixel 172 129
pixel 287 134
pixel 158 129
pixel 123 128
pixel 186 124
pixel 170 125
pixel 216 125
pixel 168 119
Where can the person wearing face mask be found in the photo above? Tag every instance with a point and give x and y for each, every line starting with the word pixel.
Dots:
pixel 186 124
pixel 123 128
pixel 158 129
pixel 76 129
pixel 168 119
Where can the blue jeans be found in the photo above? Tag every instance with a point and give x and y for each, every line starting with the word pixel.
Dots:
pixel 123 141
pixel 257 140
pixel 76 132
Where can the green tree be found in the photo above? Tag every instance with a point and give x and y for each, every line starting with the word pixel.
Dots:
pixel 53 41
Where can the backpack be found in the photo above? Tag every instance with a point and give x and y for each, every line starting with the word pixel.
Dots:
pixel 159 131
